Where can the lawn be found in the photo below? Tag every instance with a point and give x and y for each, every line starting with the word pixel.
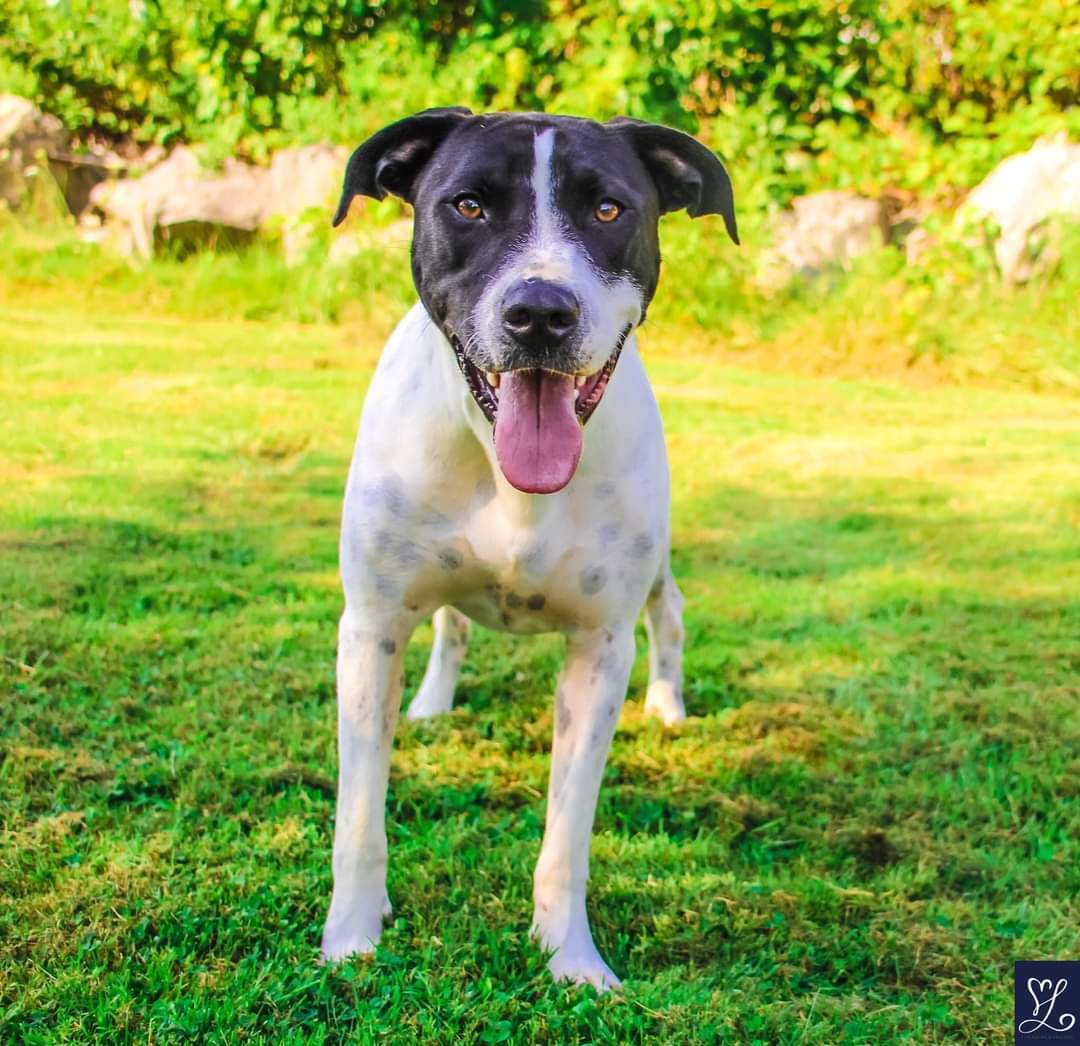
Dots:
pixel 872 811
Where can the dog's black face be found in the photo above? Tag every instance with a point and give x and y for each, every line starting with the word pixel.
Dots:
pixel 535 250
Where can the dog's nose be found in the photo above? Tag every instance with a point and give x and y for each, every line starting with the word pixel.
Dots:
pixel 540 315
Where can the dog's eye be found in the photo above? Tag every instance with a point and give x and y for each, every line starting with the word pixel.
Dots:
pixel 469 207
pixel 607 211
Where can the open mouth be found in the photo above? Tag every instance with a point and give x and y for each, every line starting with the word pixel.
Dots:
pixel 589 389
pixel 538 417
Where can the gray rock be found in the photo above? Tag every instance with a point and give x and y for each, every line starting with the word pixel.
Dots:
pixel 1023 196
pixel 829 228
pixel 178 201
pixel 28 137
pixel 302 186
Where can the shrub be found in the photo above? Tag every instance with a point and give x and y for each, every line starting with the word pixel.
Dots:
pixel 899 94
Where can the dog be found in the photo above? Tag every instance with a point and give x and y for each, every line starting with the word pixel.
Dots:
pixel 510 466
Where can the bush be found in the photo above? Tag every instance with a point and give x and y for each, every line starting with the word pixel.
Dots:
pixel 900 94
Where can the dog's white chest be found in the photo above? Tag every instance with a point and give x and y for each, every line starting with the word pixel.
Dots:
pixel 566 569
pixel 431 521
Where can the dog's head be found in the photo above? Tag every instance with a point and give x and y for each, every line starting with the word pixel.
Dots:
pixel 535 250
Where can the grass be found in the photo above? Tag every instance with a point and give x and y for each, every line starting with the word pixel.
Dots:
pixel 872 812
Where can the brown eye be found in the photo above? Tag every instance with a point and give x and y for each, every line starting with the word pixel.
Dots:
pixel 607 211
pixel 469 207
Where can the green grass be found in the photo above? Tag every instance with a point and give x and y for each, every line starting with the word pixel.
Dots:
pixel 872 812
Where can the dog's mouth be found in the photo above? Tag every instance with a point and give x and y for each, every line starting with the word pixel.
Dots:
pixel 538 417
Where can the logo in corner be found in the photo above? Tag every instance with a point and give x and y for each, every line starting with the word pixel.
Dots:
pixel 1047 1001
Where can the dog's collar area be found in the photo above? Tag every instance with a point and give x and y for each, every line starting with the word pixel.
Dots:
pixel 590 389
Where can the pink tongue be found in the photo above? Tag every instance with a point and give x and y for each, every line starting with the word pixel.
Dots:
pixel 537 435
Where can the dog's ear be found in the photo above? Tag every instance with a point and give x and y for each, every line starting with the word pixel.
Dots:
pixel 390 160
pixel 686 173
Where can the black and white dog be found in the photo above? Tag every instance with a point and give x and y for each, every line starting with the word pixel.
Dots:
pixel 510 465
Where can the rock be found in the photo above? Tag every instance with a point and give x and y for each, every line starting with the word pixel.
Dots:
pixel 348 243
pixel 28 137
pixel 78 173
pixel 301 180
pixel 829 228
pixel 1021 196
pixel 177 201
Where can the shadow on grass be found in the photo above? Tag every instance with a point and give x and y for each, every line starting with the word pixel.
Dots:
pixel 875 773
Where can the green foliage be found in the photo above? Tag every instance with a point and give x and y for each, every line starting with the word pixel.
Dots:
pixel 871 813
pixel 908 94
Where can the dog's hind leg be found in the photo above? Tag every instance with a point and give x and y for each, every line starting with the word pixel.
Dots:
pixel 664 625
pixel 436 693
pixel 369 680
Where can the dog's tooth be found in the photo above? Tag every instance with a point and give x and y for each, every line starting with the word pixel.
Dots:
pixel 579 380
pixel 492 378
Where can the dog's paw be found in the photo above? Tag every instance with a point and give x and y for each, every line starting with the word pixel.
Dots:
pixel 429 702
pixel 418 712
pixel 664 701
pixel 354 934
pixel 584 968
pixel 339 947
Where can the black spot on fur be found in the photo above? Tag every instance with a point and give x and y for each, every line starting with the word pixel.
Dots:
pixel 536 602
pixel 609 533
pixel 593 579
pixel 604 489
pixel 562 714
pixel 387 646
pixel 450 558
pixel 505 618
pixel 606 663
pixel 642 545
pixel 389 492
pixel 513 600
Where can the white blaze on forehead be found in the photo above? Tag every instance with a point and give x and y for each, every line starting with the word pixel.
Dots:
pixel 545 215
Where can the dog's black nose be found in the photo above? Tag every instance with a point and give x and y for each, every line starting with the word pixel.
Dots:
pixel 540 315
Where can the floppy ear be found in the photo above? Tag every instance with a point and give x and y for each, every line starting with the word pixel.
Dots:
pixel 390 160
pixel 686 173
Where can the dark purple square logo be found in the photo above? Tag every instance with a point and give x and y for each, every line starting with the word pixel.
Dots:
pixel 1047 1002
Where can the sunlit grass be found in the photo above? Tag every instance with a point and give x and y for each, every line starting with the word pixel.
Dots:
pixel 871 813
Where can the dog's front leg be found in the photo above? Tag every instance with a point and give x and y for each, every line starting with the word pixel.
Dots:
pixel 587 703
pixel 369 665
